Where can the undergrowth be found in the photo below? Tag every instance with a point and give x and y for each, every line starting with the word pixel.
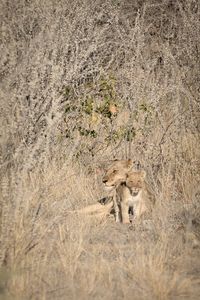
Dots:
pixel 82 83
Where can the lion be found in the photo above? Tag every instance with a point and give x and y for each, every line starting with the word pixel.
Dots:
pixel 127 188
pixel 114 176
pixel 117 173
pixel 131 193
pixel 113 179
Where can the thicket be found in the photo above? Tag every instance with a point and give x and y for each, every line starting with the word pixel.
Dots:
pixel 83 82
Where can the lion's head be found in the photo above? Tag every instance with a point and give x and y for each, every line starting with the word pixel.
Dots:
pixel 135 181
pixel 117 173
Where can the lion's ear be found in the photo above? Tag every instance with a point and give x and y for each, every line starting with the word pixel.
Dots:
pixel 129 163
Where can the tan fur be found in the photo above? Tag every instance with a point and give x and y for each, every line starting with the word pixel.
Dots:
pixel 114 176
pixel 127 188
pixel 117 172
pixel 96 208
pixel 131 193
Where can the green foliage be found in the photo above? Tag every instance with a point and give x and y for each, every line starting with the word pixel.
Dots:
pixel 104 109
pixel 130 133
pixel 69 107
pixel 92 113
pixel 126 133
pixel 146 108
pixel 88 105
pixel 66 92
pixel 87 132
pixel 97 97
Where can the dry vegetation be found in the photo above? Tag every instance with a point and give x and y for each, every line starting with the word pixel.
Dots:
pixel 81 83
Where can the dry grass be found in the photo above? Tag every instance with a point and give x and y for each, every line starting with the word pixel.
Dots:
pixel 50 254
pixel 82 83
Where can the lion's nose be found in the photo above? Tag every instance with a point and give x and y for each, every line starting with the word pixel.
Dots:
pixel 104 180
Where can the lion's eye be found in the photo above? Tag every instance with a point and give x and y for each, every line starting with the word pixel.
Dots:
pixel 114 171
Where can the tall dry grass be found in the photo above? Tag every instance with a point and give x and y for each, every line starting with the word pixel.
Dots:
pixel 82 83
